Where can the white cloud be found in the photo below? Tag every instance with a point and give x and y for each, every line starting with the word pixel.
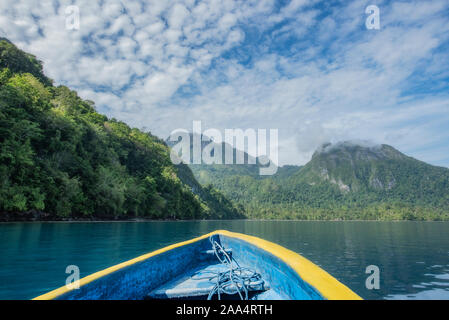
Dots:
pixel 177 16
pixel 314 76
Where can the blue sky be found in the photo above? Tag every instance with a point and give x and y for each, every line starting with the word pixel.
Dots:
pixel 306 67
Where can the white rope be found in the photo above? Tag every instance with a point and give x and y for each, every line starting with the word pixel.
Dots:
pixel 235 280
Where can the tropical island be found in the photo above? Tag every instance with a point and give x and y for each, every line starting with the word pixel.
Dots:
pixel 62 160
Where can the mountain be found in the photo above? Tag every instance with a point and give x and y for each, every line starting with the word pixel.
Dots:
pixel 207 173
pixel 346 180
pixel 60 159
pixel 357 167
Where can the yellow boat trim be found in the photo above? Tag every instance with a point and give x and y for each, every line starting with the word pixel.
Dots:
pixel 329 287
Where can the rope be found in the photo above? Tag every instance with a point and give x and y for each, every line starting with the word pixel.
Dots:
pixel 236 279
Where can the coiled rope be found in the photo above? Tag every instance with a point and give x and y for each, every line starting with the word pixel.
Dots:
pixel 235 280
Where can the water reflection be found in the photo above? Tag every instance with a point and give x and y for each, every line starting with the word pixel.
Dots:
pixel 436 287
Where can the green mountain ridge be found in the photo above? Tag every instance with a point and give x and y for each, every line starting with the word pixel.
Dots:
pixel 63 160
pixel 250 167
pixel 353 167
pixel 346 180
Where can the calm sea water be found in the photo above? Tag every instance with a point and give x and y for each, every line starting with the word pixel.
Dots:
pixel 413 257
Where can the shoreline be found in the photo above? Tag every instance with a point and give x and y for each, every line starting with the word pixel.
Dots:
pixel 141 220
pixel 40 217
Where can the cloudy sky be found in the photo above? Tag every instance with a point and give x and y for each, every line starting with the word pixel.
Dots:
pixel 309 68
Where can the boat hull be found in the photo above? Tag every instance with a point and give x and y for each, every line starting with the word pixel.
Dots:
pixel 287 274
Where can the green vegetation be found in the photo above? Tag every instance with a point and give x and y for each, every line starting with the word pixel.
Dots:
pixel 345 182
pixel 59 156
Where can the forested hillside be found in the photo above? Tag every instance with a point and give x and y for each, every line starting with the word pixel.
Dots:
pixel 342 181
pixel 62 159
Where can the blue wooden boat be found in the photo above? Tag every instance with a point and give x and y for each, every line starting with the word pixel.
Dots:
pixel 218 265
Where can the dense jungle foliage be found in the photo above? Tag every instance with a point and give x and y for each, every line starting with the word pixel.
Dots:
pixel 59 156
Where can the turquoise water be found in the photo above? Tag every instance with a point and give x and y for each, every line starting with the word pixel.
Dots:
pixel 413 257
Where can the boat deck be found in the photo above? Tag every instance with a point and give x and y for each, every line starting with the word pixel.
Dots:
pixel 198 283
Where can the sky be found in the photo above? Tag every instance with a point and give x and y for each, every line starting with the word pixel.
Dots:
pixel 309 68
